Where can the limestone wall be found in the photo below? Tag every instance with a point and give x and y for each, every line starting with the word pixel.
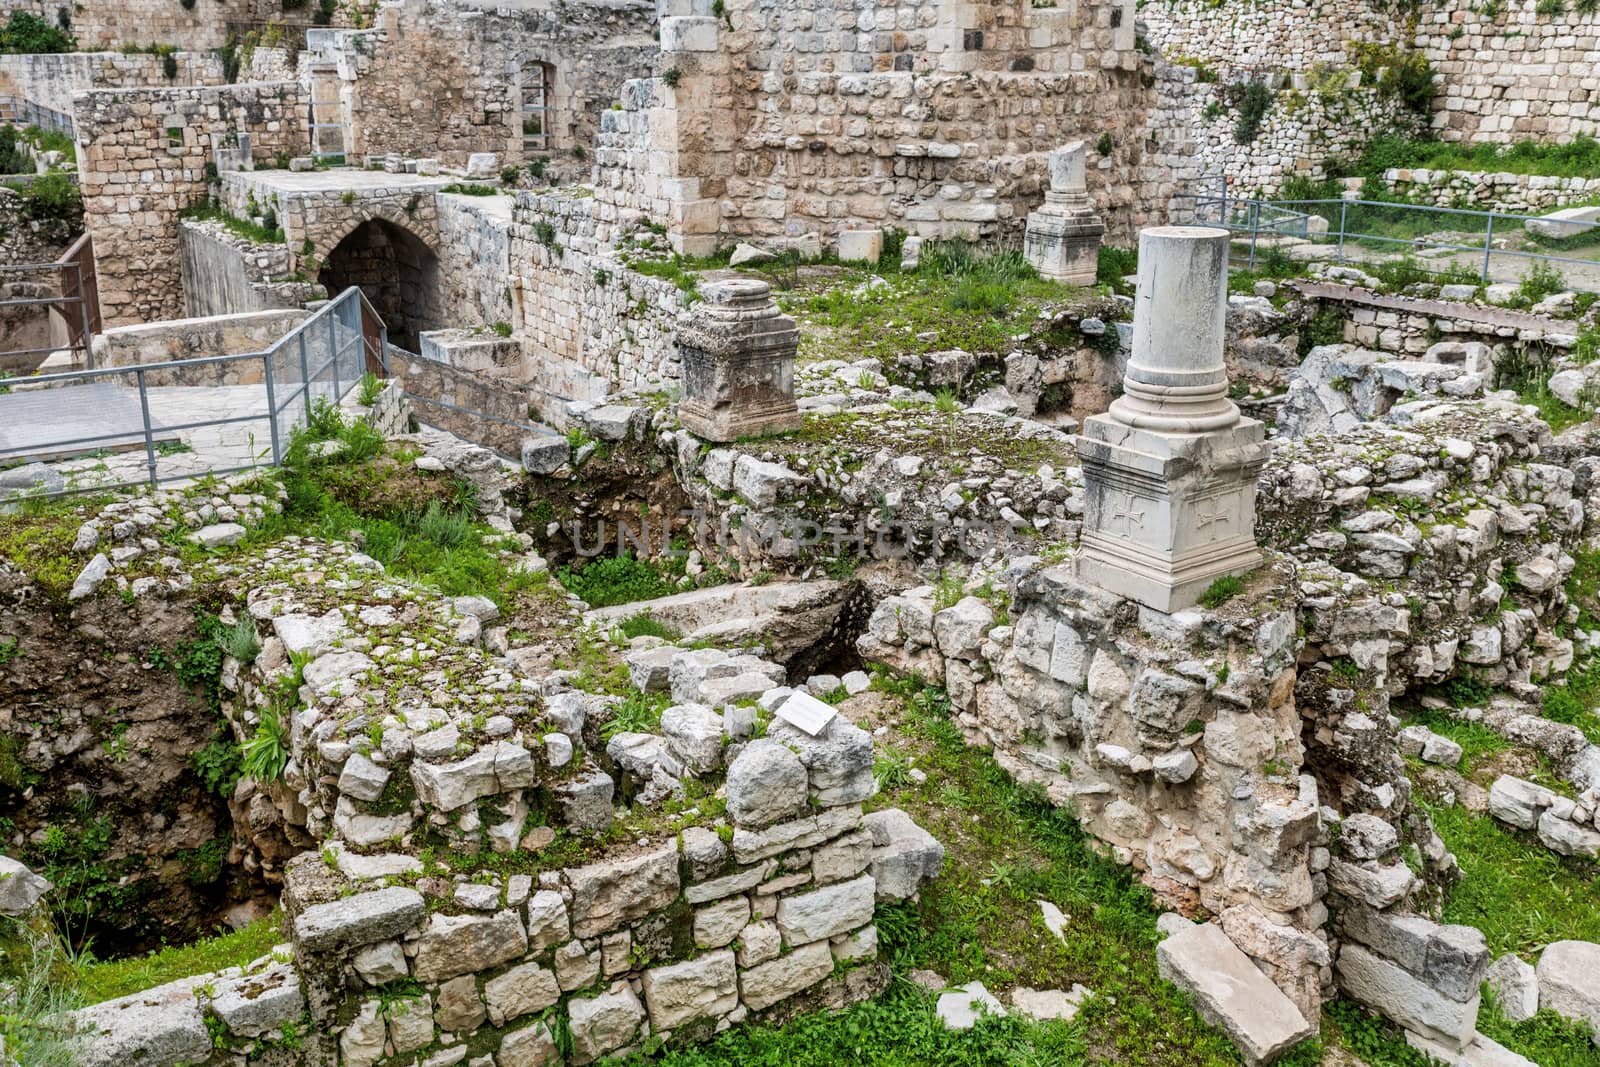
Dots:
pixel 1299 134
pixel 1519 75
pixel 196 338
pixel 110 24
pixel 471 100
pixel 1527 193
pixel 933 117
pixel 223 274
pixel 491 411
pixel 586 318
pixel 142 160
pixel 49 80
pixel 475 259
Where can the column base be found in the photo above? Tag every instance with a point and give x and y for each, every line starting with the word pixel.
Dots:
pixel 722 425
pixel 1161 584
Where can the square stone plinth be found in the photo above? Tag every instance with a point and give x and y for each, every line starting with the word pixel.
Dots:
pixel 1167 514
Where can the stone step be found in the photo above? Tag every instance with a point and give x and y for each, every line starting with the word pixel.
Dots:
pixel 1231 994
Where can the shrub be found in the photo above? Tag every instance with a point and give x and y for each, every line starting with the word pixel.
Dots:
pixel 371 388
pixel 52 196
pixel 27 33
pixel 1541 280
pixel 1397 72
pixel 615 580
pixel 1254 100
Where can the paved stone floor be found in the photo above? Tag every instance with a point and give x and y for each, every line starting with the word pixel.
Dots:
pixel 30 421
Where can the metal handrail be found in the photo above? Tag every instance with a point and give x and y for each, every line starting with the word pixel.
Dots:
pixel 1252 211
pixel 327 320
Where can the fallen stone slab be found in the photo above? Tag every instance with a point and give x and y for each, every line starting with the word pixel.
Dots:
pixel 1231 994
pixel 1043 1005
pixel 1395 993
pixel 1480 1052
pixel 1568 222
pixel 961 1008
pixel 904 855
pixel 159 1027
pixel 1569 980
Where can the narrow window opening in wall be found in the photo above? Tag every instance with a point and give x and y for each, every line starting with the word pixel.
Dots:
pixel 1116 17
pixel 174 135
pixel 972 40
pixel 538 107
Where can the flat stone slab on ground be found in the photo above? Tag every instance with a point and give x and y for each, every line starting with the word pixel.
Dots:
pixel 961 1008
pixel 1231 994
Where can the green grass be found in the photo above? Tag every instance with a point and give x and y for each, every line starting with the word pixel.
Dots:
pixel 1579 157
pixel 106 980
pixel 957 298
pixel 1006 848
pixel 1546 1039
pixel 1574 700
pixel 417 526
pixel 642 625
pixel 1478 742
pixel 1221 591
pixel 1519 893
pixel 261 235
pixel 609 580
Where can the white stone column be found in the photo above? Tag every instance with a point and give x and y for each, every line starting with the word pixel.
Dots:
pixel 1170 470
pixel 1062 240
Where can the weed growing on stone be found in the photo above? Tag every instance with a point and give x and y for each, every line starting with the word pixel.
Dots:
pixel 239 640
pixel 605 581
pixel 31 1028
pixel 1546 1039
pixel 642 625
pixel 266 753
pixel 636 713
pixel 371 386
pixel 1221 591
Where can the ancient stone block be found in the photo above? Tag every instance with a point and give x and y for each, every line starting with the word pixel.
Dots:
pixel 737 354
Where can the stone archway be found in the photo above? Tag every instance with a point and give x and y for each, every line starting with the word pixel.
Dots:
pixel 396 270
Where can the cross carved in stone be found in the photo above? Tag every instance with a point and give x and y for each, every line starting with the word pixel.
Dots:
pixel 1209 520
pixel 1125 514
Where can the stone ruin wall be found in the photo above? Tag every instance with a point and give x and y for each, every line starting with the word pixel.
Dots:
pixel 1521 76
pixel 222 273
pixel 50 79
pixel 1224 753
pixel 1524 193
pixel 471 100
pixel 675 934
pixel 142 159
pixel 1297 137
pixel 110 24
pixel 590 325
pixel 932 117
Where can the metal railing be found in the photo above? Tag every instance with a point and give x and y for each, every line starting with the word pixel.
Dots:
pixel 22 112
pixel 1383 226
pixel 71 305
pixel 318 361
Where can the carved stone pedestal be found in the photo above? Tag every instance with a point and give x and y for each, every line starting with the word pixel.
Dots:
pixel 1062 240
pixel 1170 471
pixel 737 355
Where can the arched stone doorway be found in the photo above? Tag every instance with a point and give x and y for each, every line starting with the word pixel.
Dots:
pixel 396 270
